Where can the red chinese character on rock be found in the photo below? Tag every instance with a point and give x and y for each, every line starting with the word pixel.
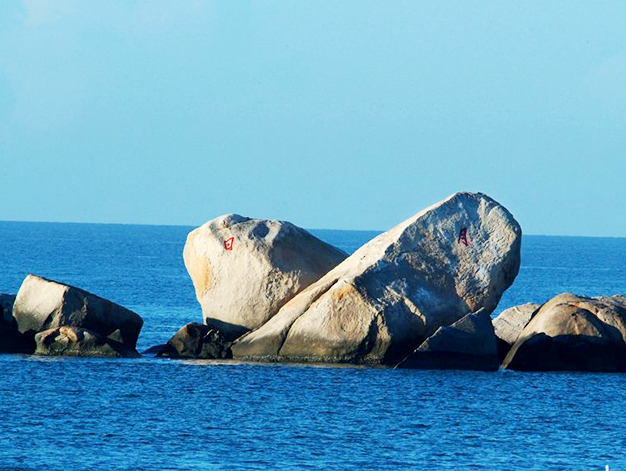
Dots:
pixel 463 237
pixel 228 244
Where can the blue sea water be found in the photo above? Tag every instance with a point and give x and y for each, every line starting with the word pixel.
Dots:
pixel 149 414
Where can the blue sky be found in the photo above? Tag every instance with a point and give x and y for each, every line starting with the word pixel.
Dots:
pixel 330 114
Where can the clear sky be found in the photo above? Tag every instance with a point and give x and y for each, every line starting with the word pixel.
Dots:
pixel 330 114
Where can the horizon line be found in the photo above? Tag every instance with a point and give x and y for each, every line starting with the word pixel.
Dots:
pixel 308 229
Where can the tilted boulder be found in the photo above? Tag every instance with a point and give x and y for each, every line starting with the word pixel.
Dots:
pixel 573 333
pixel 468 344
pixel 76 341
pixel 451 259
pixel 196 341
pixel 244 270
pixel 510 323
pixel 43 304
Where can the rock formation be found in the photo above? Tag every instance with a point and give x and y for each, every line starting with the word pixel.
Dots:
pixel 44 304
pixel 451 259
pixel 75 341
pixel 574 333
pixel 468 344
pixel 510 323
pixel 244 270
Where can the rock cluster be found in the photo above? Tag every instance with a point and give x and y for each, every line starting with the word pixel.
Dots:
pixel 59 319
pixel 449 260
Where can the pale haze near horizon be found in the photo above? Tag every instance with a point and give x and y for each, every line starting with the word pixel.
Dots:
pixel 338 115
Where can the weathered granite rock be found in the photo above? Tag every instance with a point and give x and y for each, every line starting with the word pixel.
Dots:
pixel 197 341
pixel 453 258
pixel 44 304
pixel 244 270
pixel 573 333
pixel 510 323
pixel 468 344
pixel 76 341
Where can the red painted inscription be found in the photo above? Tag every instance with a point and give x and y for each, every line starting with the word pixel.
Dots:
pixel 228 243
pixel 463 237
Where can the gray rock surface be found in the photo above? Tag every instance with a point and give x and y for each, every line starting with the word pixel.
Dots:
pixel 510 323
pixel 76 341
pixel 468 344
pixel 11 340
pixel 43 304
pixel 573 333
pixel 453 258
pixel 244 270
pixel 196 341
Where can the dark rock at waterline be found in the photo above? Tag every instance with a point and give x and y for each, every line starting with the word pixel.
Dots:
pixel 43 304
pixel 468 344
pixel 11 339
pixel 510 323
pixel 76 341
pixel 573 333
pixel 197 341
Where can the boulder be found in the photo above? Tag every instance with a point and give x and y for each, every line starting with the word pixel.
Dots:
pixel 573 333
pixel 468 344
pixel 196 341
pixel 510 323
pixel 451 259
pixel 76 341
pixel 43 304
pixel 244 270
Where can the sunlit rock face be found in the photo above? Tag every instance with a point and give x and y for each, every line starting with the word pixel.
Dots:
pixel 244 270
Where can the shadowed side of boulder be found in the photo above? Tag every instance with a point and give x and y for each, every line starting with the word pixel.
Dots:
pixel 468 344
pixel 11 339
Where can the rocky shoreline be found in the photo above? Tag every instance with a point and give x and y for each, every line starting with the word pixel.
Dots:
pixel 419 296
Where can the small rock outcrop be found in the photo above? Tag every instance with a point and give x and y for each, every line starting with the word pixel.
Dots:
pixel 510 323
pixel 76 341
pixel 451 259
pixel 43 304
pixel 468 344
pixel 196 341
pixel 573 333
pixel 244 270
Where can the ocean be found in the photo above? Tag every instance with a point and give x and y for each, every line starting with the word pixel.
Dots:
pixel 154 414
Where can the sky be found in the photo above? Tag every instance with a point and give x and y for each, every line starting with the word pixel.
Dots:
pixel 329 114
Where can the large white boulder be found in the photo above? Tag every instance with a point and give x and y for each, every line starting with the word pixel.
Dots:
pixel 43 304
pixel 451 259
pixel 244 270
